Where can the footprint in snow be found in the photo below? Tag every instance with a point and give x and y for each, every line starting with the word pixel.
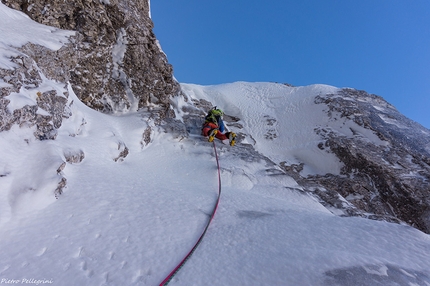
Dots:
pixel 42 251
pixel 66 266
pixel 123 264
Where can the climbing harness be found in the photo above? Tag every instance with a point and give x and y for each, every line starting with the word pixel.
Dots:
pixel 177 268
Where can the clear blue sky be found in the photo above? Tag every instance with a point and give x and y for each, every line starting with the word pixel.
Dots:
pixel 381 46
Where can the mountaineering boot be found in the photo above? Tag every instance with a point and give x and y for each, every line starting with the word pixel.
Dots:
pixel 212 135
pixel 232 138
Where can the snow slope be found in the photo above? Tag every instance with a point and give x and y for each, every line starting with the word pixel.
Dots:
pixel 130 221
pixel 280 120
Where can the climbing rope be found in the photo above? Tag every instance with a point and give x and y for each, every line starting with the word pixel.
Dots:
pixel 177 268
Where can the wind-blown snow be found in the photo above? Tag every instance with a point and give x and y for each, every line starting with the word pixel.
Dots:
pixel 277 112
pixel 130 222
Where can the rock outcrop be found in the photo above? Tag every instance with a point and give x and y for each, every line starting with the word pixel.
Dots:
pixel 48 109
pixel 114 62
pixel 389 180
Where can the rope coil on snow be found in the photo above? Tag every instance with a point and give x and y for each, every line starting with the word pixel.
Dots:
pixel 177 268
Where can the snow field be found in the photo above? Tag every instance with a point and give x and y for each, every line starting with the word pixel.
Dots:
pixel 130 221
pixel 256 239
pixel 123 222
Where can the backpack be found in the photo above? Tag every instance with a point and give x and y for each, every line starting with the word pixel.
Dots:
pixel 214 115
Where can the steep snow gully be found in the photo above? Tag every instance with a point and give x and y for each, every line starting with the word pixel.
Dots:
pixel 131 221
pixel 135 196
pixel 188 256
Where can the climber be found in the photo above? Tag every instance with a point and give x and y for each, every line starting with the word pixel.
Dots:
pixel 214 127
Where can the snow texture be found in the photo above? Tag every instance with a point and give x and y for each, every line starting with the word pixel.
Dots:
pixel 130 221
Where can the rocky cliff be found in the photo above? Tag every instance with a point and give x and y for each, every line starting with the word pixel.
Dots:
pixel 103 51
pixel 113 62
pixel 386 179
pixel 389 180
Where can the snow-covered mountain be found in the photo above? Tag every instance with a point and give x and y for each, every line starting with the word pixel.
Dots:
pixel 352 150
pixel 113 59
pixel 88 198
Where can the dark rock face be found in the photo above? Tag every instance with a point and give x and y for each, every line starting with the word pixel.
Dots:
pixel 389 180
pixel 114 62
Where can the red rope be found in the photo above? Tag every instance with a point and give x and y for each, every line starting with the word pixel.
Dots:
pixel 177 268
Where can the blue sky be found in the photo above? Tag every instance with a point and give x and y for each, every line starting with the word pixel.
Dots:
pixel 381 46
